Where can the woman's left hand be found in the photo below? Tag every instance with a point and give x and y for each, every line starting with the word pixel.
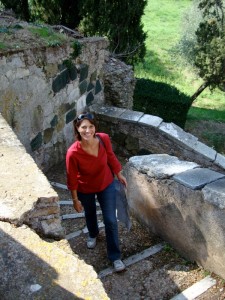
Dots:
pixel 122 179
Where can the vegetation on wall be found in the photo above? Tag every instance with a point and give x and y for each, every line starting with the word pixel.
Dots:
pixel 33 36
pixel 119 21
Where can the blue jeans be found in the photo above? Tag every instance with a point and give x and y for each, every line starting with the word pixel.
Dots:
pixel 107 201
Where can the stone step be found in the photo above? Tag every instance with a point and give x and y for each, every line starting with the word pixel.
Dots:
pixel 134 259
pixel 79 232
pixel 76 215
pixel 196 289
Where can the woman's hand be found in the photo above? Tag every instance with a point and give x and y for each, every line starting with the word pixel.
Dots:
pixel 122 179
pixel 77 205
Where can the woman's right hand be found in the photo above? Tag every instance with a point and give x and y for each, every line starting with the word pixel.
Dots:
pixel 77 206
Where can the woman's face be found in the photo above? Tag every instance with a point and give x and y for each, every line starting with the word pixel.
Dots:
pixel 86 130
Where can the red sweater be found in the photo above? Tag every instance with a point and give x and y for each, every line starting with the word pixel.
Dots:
pixel 87 173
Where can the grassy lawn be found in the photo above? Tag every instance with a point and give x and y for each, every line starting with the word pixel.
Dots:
pixel 163 24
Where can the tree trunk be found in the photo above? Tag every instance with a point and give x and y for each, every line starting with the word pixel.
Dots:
pixel 199 91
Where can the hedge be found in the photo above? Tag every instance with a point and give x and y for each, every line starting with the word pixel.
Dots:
pixel 161 99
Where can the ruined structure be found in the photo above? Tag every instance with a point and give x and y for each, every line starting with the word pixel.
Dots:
pixel 40 95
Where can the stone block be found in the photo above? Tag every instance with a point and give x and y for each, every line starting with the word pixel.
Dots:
pixel 51 226
pixel 197 178
pixel 83 87
pixel 93 76
pixel 72 72
pixel 205 151
pixel 220 160
pixel 90 98
pixel 83 72
pixel 150 120
pixel 36 142
pixel 107 111
pixel 90 87
pixel 98 87
pixel 132 116
pixel 178 134
pixel 192 221
pixel 54 121
pixel 160 165
pixel 70 116
pixel 214 193
pixel 47 135
pixel 60 81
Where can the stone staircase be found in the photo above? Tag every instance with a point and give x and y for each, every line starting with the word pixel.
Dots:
pixel 154 269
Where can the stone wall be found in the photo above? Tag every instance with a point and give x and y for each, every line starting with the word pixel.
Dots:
pixel 183 203
pixel 136 133
pixel 26 196
pixel 119 82
pixel 42 90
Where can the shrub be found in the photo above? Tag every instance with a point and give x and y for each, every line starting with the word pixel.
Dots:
pixel 161 99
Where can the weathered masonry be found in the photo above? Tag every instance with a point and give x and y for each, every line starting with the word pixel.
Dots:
pixel 40 94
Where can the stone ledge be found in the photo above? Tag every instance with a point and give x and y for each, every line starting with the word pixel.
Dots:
pixel 156 136
pixel 198 178
pixel 26 196
pixel 191 220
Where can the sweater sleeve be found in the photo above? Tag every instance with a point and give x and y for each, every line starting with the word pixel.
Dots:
pixel 71 171
pixel 113 161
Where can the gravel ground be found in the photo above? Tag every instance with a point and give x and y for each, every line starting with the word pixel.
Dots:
pixel 160 276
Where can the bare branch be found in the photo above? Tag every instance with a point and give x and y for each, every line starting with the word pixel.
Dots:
pixel 68 31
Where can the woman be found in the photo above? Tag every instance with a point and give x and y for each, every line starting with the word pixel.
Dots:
pixel 91 165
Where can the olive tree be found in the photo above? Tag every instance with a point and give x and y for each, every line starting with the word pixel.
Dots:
pixel 203 43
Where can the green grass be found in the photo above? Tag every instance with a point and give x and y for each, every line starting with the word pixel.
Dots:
pixel 2 45
pixel 48 35
pixel 163 23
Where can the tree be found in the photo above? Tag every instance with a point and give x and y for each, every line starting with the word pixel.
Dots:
pixel 64 12
pixel 20 8
pixel 208 46
pixel 120 22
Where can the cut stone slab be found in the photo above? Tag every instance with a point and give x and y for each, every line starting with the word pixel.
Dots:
pixel 214 193
pixel 196 289
pixel 197 178
pixel 178 134
pixel 134 259
pixel 150 120
pixel 107 110
pixel 160 165
pixel 220 160
pixel 132 116
pixel 205 151
pixel 32 268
